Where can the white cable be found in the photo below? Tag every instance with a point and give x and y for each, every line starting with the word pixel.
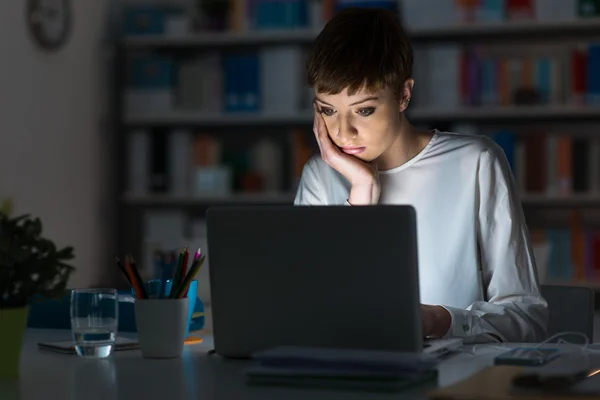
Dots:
pixel 585 338
pixel 585 347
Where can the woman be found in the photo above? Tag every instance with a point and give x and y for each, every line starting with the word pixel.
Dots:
pixel 478 278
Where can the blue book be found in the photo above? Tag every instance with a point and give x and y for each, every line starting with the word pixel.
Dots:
pixel 387 4
pixel 492 10
pixel 593 77
pixel 151 72
pixel 231 83
pixel 507 140
pixel 250 82
pixel 543 74
pixel 147 19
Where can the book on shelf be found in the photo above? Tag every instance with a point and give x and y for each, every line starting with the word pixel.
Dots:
pixel 270 80
pixel 417 14
pixel 180 163
pixel 568 254
pixel 268 15
pixel 554 164
pixel 454 76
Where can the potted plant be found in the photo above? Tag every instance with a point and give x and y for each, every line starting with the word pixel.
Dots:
pixel 31 267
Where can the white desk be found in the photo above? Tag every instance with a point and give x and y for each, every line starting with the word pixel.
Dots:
pixel 127 376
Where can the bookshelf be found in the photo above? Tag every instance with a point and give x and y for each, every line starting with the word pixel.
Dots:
pixel 501 114
pixel 157 200
pixel 217 123
pixel 504 31
pixel 192 201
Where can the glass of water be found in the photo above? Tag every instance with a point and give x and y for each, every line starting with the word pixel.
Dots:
pixel 94 321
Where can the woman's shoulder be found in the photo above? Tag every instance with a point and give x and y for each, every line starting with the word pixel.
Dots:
pixel 467 144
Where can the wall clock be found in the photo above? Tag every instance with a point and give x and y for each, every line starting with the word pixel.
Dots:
pixel 50 22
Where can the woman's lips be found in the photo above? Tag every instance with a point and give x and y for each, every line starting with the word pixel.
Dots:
pixel 353 150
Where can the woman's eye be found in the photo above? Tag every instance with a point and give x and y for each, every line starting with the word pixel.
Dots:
pixel 327 111
pixel 365 112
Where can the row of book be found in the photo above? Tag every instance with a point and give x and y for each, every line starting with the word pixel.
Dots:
pixel 435 13
pixel 269 80
pixel 451 76
pixel 568 254
pixel 185 162
pixel 261 15
pixel 496 79
pixel 563 254
pixel 181 162
pixel 552 163
pixel 258 15
pixel 238 15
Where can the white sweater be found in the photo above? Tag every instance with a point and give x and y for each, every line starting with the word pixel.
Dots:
pixel 475 257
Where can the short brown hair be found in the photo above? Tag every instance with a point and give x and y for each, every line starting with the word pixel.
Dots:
pixel 360 48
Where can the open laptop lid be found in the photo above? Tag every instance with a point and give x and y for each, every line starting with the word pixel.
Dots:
pixel 332 276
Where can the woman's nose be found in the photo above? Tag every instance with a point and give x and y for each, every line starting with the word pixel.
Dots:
pixel 346 131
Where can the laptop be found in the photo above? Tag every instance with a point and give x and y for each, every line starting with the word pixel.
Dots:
pixel 318 276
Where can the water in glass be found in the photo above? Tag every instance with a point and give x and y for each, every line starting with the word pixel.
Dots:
pixel 94 321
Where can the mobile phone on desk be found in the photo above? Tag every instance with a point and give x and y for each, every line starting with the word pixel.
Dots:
pixel 559 378
pixel 527 356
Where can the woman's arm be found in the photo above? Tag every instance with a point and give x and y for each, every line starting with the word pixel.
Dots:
pixel 514 311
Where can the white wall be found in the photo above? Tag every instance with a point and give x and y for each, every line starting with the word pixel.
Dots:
pixel 51 105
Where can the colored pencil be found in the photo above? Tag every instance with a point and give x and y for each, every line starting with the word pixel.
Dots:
pixel 196 256
pixel 181 290
pixel 120 265
pixel 184 270
pixel 164 276
pixel 177 277
pixel 139 288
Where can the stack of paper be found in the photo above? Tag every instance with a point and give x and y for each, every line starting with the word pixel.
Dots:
pixel 341 368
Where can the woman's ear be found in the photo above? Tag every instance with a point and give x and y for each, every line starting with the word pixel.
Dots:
pixel 406 95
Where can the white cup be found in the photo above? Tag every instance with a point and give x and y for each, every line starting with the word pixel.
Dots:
pixel 161 326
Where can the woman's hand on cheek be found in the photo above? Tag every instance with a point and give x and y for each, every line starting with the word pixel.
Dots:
pixel 363 176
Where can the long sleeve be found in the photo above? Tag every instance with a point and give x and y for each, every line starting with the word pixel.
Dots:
pixel 514 311
pixel 310 191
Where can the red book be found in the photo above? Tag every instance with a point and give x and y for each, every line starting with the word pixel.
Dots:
pixel 535 150
pixel 578 75
pixel 596 255
pixel 520 9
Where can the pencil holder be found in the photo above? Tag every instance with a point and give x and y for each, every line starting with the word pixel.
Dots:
pixel 161 326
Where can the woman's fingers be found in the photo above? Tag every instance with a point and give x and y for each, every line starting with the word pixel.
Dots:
pixel 327 148
pixel 317 138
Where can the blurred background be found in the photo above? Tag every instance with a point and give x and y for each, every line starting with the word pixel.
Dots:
pixel 122 121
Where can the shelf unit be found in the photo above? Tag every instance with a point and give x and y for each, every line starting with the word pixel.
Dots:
pixel 482 114
pixel 167 200
pixel 588 29
pixel 504 31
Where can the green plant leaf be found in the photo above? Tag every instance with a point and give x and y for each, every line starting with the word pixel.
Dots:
pixel 30 264
pixel 6 207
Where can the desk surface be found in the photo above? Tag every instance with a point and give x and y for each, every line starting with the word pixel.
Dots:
pixel 196 375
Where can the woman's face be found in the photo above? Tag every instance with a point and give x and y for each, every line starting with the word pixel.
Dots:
pixel 365 124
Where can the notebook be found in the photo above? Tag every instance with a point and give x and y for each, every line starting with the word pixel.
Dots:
pixel 68 347
pixel 341 368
